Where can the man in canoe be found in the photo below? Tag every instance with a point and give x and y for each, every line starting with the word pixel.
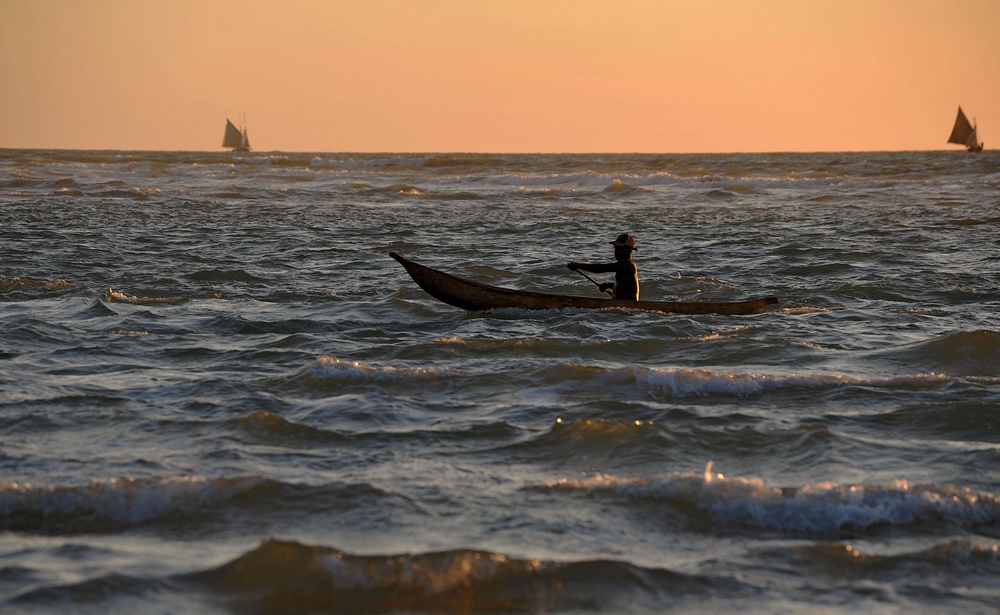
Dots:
pixel 626 284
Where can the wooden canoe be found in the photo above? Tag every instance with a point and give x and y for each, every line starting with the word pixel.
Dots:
pixel 474 296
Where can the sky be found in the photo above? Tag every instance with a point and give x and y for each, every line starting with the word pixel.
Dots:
pixel 664 76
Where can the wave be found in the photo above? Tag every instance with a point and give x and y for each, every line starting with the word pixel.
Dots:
pixel 223 275
pixel 824 508
pixel 691 382
pixel 113 502
pixel 32 333
pixel 117 297
pixel 235 192
pixel 334 369
pixel 73 596
pixel 7 284
pixel 720 194
pixel 68 192
pixel 656 382
pixel 96 309
pixel 264 188
pixel 828 198
pixel 554 193
pixel 733 191
pixel 743 189
pixel 327 375
pixel 17 283
pixel 873 167
pixel 129 193
pixel 406 190
pixel 271 429
pixel 117 504
pixel 962 353
pixel 400 189
pixel 289 576
pixel 585 432
pixel 281 576
pixel 965 420
pixel 234 323
pixel 595 443
pixel 549 344
pixel 22 182
pixel 697 173
pixel 685 382
pixel 473 161
pixel 617 186
pixel 952 561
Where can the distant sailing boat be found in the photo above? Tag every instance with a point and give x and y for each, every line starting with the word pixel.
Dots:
pixel 964 133
pixel 236 138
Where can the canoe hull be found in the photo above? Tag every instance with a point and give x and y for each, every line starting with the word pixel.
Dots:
pixel 474 296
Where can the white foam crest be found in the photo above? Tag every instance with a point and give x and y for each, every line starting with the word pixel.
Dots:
pixel 7 283
pixel 124 500
pixel 330 368
pixel 430 573
pixel 687 382
pixel 824 507
pixel 554 192
pixel 119 297
pixel 988 380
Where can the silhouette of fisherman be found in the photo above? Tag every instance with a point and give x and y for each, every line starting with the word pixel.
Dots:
pixel 626 284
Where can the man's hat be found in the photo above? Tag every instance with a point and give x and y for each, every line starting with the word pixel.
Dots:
pixel 624 241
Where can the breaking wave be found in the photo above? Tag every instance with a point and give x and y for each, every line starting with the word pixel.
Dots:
pixel 683 382
pixel 824 508
pixel 117 504
pixel 118 297
pixel 114 501
pixel 332 368
pixel 289 577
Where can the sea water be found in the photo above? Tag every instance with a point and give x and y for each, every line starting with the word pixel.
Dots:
pixel 219 394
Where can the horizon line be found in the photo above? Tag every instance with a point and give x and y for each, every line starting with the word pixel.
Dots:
pixel 486 152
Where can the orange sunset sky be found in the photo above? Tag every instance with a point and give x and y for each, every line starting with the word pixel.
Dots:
pixel 499 75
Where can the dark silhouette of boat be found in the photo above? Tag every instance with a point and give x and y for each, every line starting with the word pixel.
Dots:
pixel 474 296
pixel 964 133
pixel 236 138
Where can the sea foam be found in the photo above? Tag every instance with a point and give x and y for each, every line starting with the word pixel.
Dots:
pixel 688 382
pixel 818 508
pixel 332 368
pixel 127 501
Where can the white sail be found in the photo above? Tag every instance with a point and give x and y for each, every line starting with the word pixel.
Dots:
pixel 973 140
pixel 245 143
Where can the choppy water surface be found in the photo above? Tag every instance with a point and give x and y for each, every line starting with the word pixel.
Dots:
pixel 218 394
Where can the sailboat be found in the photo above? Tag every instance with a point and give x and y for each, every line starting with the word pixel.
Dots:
pixel 236 138
pixel 964 133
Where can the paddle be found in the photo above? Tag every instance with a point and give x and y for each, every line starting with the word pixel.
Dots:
pixel 593 280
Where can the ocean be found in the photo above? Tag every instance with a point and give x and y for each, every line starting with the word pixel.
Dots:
pixel 219 394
